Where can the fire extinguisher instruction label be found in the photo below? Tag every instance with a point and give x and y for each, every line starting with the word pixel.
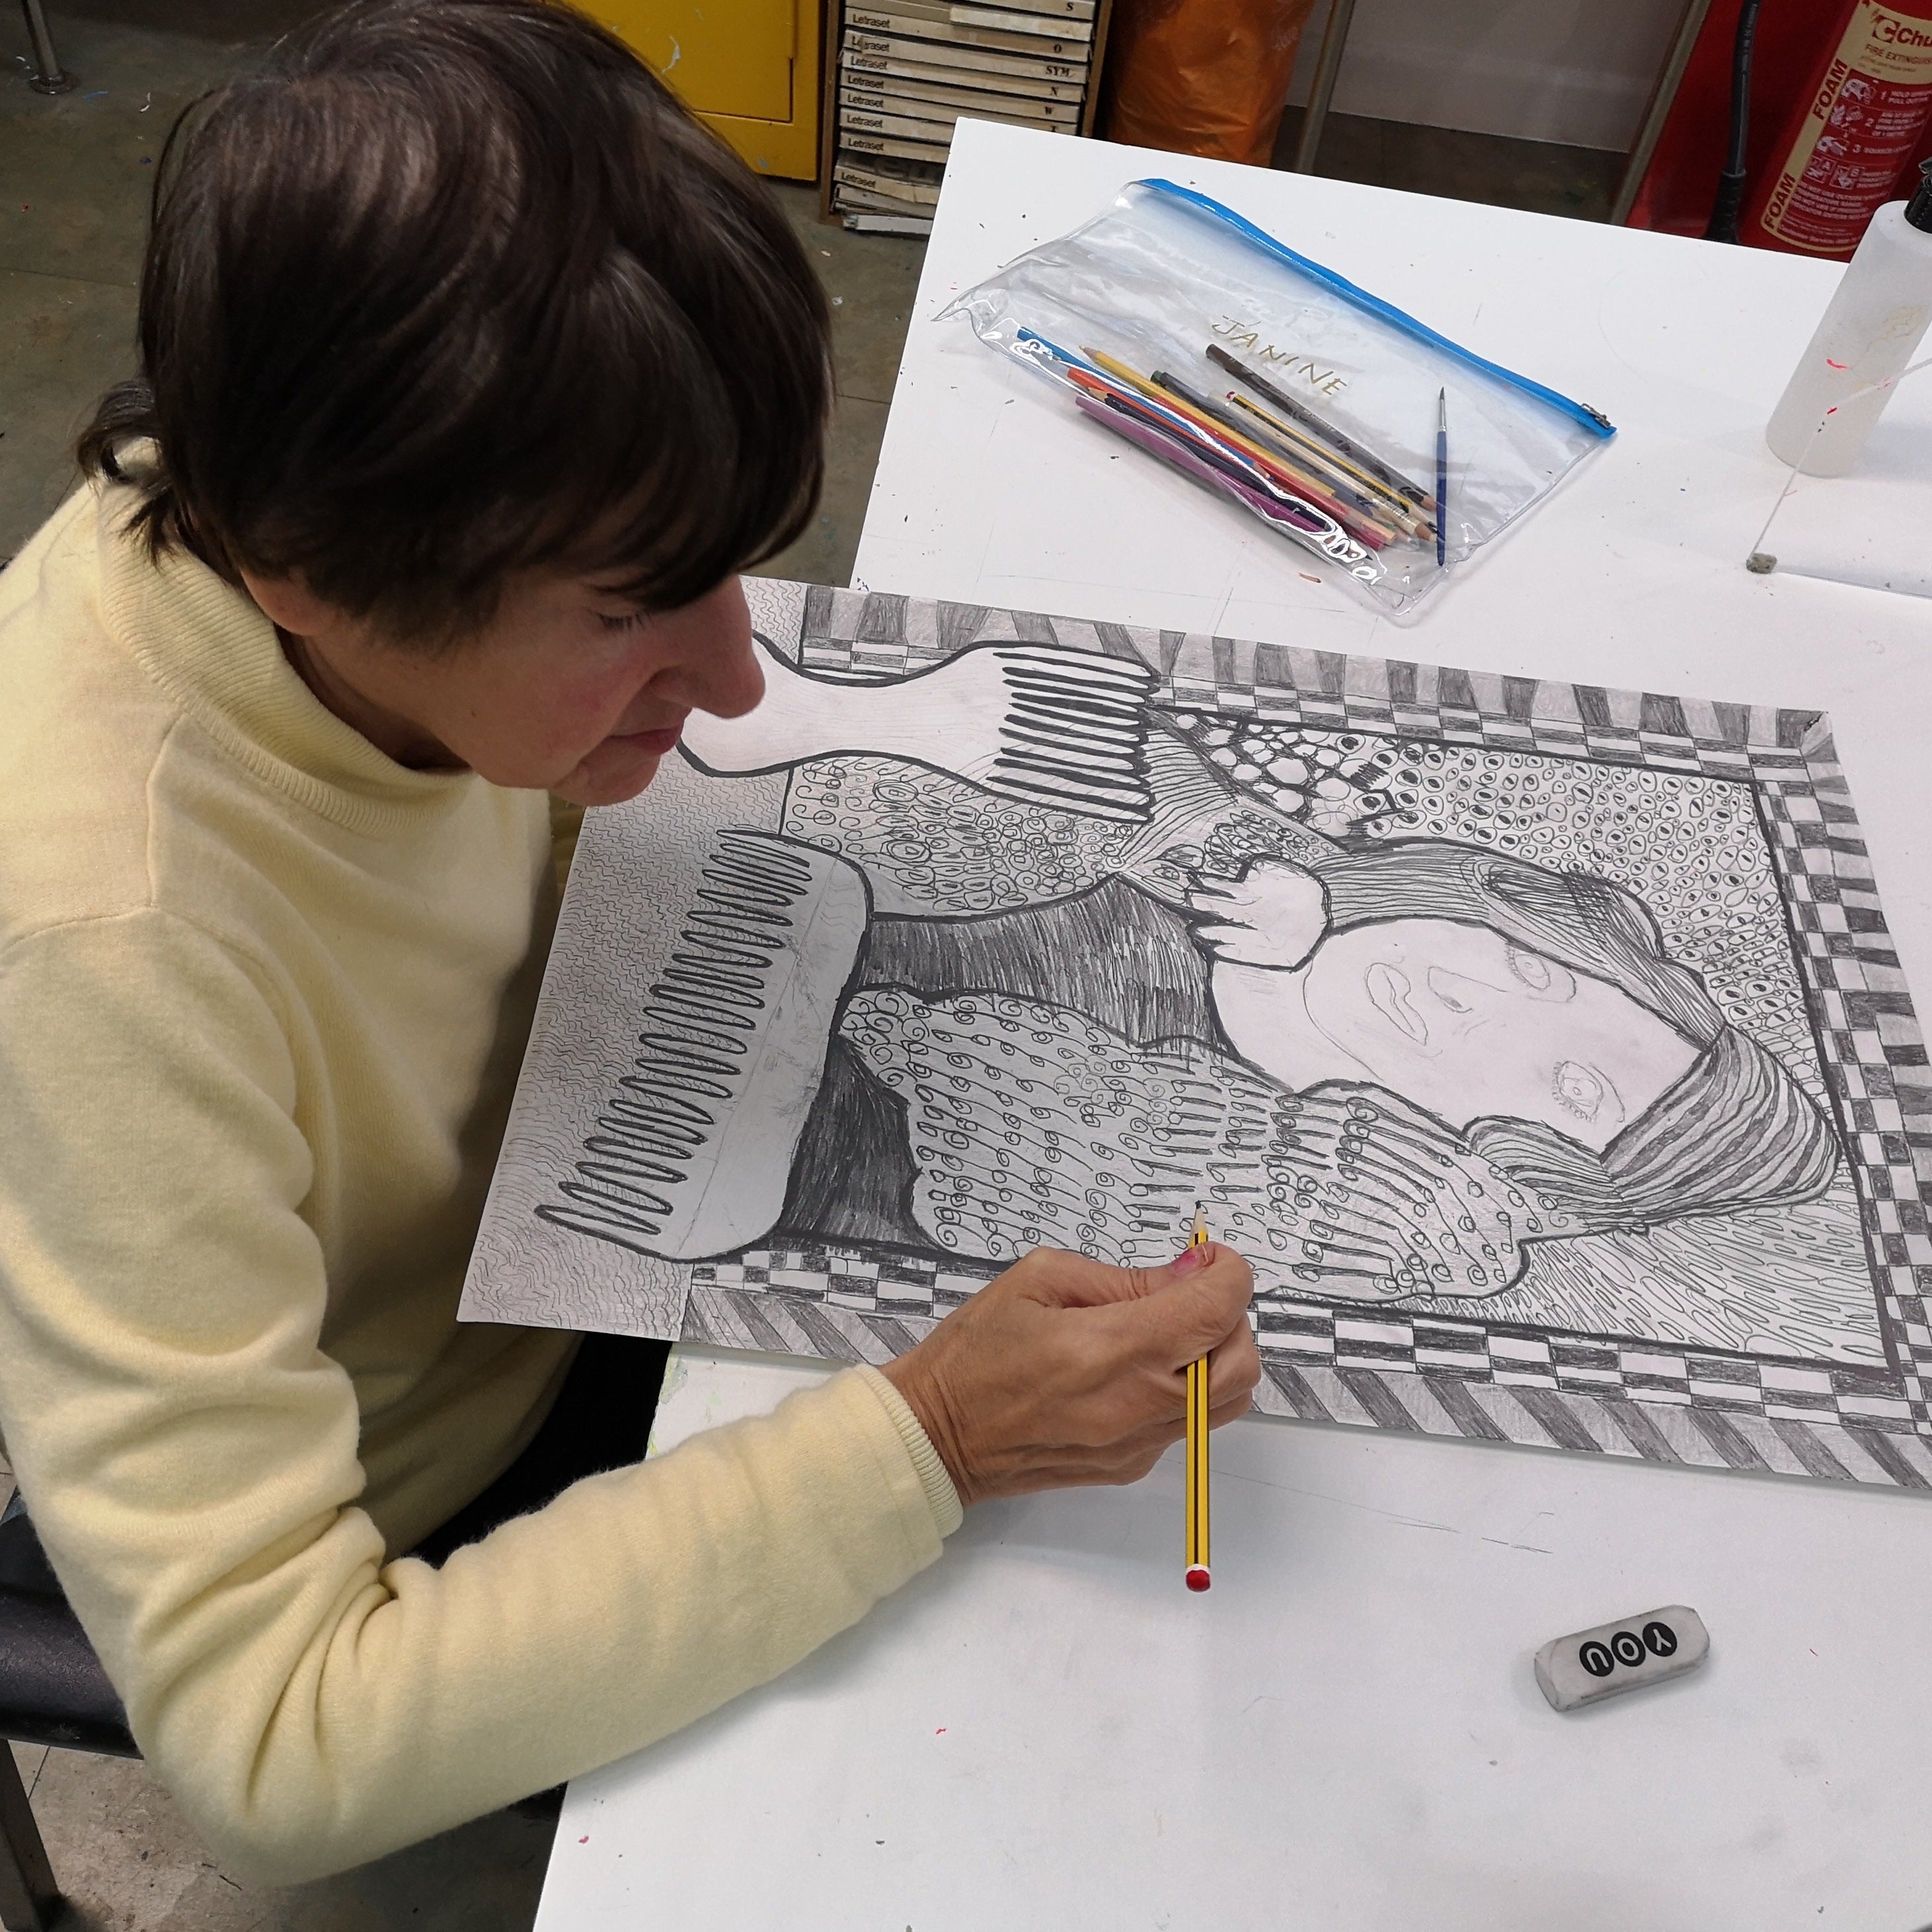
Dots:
pixel 1864 122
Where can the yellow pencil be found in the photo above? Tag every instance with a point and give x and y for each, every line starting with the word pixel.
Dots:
pixel 1198 1576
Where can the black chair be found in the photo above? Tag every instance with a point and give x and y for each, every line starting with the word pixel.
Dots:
pixel 52 1691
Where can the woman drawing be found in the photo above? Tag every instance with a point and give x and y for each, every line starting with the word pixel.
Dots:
pixel 1390 1068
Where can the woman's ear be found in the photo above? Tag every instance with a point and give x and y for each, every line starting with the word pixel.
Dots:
pixel 288 604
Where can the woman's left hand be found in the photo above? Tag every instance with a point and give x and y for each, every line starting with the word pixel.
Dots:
pixel 1274 915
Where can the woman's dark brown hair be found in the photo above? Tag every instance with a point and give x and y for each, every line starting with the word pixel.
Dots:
pixel 456 288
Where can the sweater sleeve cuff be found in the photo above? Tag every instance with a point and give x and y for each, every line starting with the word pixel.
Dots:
pixel 942 1498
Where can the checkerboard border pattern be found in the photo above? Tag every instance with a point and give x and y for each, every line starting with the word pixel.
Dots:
pixel 1388 1369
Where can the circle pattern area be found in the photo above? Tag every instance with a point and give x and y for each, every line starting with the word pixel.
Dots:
pixel 1333 782
pixel 1032 1126
pixel 930 843
pixel 1691 847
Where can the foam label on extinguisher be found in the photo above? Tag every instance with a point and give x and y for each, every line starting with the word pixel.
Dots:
pixel 1863 123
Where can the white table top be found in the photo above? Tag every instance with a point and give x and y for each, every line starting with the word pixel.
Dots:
pixel 1045 1730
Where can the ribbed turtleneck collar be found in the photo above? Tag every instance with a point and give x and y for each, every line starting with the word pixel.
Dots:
pixel 214 654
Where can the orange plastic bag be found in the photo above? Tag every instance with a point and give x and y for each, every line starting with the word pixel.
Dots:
pixel 1202 76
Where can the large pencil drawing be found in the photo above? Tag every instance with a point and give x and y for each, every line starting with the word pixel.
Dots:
pixel 728 1063
pixel 1510 1043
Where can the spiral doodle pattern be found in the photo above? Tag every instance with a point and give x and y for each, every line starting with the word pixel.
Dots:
pixel 936 844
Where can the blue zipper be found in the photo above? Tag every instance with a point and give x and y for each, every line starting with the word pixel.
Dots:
pixel 1595 421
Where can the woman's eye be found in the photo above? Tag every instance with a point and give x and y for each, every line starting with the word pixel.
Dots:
pixel 1543 977
pixel 1454 1005
pixel 1535 973
pixel 629 621
pixel 1578 1090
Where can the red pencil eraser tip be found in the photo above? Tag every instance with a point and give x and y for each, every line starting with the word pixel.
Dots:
pixel 1198 1578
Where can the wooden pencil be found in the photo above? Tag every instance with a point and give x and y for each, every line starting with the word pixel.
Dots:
pixel 1364 529
pixel 1312 420
pixel 1348 498
pixel 1198 1575
pixel 1160 415
pixel 1381 501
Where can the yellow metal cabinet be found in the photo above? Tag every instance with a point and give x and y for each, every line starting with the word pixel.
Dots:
pixel 748 67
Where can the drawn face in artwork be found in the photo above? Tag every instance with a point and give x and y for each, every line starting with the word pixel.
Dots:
pixel 1471 1025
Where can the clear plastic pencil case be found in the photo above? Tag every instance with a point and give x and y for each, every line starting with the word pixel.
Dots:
pixel 1176 324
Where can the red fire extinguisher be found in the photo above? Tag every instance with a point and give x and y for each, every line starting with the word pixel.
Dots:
pixel 1747 91
pixel 1858 126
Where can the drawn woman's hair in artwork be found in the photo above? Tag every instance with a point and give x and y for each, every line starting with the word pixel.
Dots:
pixel 1735 1132
pixel 1031 1121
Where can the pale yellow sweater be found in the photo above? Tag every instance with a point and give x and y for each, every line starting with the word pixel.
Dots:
pixel 262 996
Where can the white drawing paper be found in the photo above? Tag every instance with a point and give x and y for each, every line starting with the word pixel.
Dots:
pixel 1540 1046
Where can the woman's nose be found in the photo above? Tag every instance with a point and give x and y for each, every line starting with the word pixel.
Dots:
pixel 715 665
pixel 727 682
pixel 1457 994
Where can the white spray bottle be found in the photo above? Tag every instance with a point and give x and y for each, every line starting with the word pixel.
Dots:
pixel 1867 335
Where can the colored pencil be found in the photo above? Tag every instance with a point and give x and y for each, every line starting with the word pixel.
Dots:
pixel 1313 421
pixel 1108 398
pixel 1198 1575
pixel 1306 468
pixel 1151 420
pixel 1364 529
pixel 1384 502
pixel 1321 533
pixel 1161 439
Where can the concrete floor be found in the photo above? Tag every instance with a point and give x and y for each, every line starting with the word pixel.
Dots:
pixel 74 175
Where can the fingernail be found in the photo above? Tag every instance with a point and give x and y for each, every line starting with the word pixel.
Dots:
pixel 1197 1255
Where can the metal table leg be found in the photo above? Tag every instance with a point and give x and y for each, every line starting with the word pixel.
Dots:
pixel 47 76
pixel 1328 65
pixel 1690 25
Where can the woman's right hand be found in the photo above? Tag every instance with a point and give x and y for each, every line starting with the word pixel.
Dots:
pixel 1064 1371
pixel 1274 915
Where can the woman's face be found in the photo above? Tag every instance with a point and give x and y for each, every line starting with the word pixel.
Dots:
pixel 1470 1025
pixel 567 688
